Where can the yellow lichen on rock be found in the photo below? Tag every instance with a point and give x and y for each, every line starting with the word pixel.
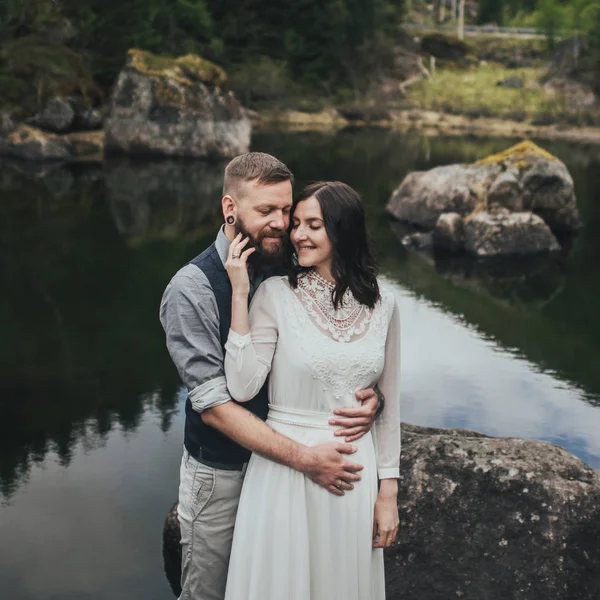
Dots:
pixel 517 156
pixel 185 69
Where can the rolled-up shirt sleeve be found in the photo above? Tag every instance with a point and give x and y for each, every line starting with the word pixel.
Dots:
pixel 190 318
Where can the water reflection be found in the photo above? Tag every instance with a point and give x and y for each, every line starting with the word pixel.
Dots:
pixel 526 283
pixel 81 346
pixel 453 376
pixel 163 199
pixel 90 421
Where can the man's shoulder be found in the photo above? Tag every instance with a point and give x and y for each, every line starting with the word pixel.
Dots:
pixel 189 279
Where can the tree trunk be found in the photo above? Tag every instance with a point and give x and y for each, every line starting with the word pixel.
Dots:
pixel 461 19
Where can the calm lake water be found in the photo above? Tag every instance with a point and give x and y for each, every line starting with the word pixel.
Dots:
pixel 90 404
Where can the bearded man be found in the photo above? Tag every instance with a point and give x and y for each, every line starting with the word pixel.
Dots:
pixel 219 433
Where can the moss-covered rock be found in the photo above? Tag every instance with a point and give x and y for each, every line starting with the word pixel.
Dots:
pixel 521 155
pixel 524 179
pixel 174 107
pixel 185 69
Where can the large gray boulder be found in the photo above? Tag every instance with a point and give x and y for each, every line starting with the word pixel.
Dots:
pixel 508 234
pixel 425 195
pixel 494 519
pixel 524 178
pixel 174 107
pixel 482 518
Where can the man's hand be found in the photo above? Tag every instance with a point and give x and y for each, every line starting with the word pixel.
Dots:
pixel 326 466
pixel 357 421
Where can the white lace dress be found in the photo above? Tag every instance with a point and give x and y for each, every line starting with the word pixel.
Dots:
pixel 294 540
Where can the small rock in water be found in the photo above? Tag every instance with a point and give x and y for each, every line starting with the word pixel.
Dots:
pixel 508 234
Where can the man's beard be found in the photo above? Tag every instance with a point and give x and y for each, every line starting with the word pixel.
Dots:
pixel 262 258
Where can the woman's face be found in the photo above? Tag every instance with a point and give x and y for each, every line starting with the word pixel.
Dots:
pixel 309 237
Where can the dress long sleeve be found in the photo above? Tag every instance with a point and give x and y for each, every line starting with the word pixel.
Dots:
pixel 248 357
pixel 387 426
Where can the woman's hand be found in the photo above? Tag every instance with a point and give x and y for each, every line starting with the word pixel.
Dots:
pixel 386 520
pixel 237 265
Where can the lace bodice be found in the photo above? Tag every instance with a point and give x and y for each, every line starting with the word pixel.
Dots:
pixel 318 357
pixel 344 324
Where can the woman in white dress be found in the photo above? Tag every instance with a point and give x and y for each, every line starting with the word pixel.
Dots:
pixel 323 332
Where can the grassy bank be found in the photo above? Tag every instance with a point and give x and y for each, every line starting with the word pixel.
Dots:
pixel 475 93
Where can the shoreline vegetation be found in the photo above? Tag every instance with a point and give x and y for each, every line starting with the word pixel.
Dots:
pixel 427 122
pixel 393 70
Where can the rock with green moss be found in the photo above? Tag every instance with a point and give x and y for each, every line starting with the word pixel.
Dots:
pixel 524 179
pixel 174 107
pixel 425 195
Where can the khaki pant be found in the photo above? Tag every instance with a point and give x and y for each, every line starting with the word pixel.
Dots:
pixel 208 502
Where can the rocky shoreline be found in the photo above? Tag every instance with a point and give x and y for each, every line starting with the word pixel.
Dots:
pixel 89 145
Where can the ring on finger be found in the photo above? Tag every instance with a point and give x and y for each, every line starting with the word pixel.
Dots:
pixel 235 256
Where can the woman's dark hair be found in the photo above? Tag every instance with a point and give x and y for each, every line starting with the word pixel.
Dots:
pixel 353 266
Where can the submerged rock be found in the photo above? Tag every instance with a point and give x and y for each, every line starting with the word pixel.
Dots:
pixel 174 107
pixel 482 517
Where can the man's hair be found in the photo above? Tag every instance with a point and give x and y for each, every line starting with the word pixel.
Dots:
pixel 254 166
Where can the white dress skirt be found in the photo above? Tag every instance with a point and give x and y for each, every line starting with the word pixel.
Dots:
pixel 294 540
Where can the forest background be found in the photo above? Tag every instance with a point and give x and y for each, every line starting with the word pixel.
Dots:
pixel 303 54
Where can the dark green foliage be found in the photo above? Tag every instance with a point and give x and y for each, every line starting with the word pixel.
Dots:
pixel 319 43
pixel 36 58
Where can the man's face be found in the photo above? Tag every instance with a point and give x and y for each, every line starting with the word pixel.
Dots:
pixel 263 214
